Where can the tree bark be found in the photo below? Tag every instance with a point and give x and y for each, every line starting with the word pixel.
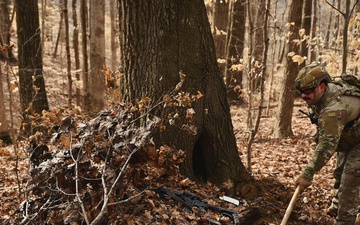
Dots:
pixel 67 47
pixel 306 25
pixel 287 89
pixel 33 97
pixel 220 15
pixel 155 47
pixel 258 48
pixel 76 52
pixel 313 54
pixel 59 32
pixel 97 56
pixel 85 71
pixel 113 33
pixel 4 128
pixel 6 54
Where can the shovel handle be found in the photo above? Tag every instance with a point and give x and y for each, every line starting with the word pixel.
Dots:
pixel 290 206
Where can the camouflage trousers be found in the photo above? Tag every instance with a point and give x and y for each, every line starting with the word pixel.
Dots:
pixel 347 181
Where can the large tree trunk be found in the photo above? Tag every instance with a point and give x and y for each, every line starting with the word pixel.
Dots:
pixel 160 39
pixel 33 97
pixel 287 89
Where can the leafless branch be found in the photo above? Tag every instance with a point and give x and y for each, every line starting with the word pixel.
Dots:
pixel 352 9
pixel 129 198
pixel 28 220
pixel 78 197
pixel 332 6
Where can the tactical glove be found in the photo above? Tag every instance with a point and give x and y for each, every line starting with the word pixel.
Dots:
pixel 303 183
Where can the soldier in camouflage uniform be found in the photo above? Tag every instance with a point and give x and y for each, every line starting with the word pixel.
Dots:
pixel 336 111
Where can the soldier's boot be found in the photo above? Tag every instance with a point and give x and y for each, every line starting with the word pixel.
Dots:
pixel 332 210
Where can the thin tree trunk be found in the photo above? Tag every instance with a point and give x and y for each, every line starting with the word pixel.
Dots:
pixel 328 30
pixel 249 76
pixel 59 32
pixel 234 50
pixel 4 129
pixel 43 19
pixel 6 53
pixel 76 51
pixel 337 27
pixel 255 129
pixel 347 17
pixel 97 56
pixel 282 126
pixel 68 58
pixel 306 25
pixel 228 41
pixel 85 71
pixel 113 32
pixel 312 54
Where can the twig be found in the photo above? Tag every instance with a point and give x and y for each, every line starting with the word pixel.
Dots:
pixel 78 197
pixel 27 220
pixel 129 198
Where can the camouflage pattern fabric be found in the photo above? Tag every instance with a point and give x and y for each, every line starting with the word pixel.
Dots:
pixel 348 193
pixel 339 131
pixel 334 112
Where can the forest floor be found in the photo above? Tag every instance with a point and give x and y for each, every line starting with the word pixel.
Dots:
pixel 275 165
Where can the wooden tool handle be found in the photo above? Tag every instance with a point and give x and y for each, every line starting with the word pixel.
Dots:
pixel 290 206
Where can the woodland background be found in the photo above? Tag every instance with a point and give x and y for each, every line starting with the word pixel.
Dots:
pixel 278 149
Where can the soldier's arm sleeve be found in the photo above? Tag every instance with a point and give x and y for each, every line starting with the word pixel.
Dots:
pixel 331 125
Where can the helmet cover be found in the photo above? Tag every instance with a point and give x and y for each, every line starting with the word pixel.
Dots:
pixel 311 76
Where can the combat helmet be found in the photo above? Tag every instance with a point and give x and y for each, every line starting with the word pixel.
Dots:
pixel 311 76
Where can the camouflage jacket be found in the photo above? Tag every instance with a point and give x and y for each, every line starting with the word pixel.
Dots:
pixel 338 126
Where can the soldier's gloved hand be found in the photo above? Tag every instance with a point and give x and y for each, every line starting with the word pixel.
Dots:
pixel 303 183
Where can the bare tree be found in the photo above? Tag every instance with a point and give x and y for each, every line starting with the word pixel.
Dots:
pixel 33 96
pixel 97 56
pixel 346 16
pixel 258 47
pixel 220 26
pixel 113 33
pixel 6 53
pixel 76 51
pixel 7 56
pixel 235 40
pixel 313 45
pixel 306 26
pixel 85 70
pixel 254 130
pixel 67 47
pixel 329 28
pixel 59 31
pixel 286 102
pixel 4 128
